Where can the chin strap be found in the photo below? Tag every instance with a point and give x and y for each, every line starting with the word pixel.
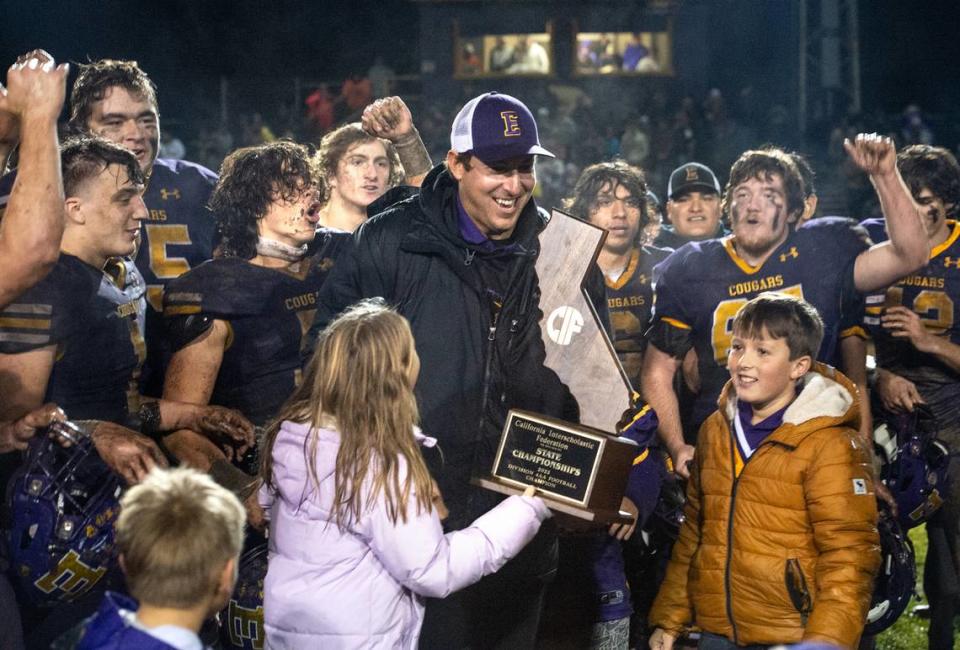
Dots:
pixel 279 250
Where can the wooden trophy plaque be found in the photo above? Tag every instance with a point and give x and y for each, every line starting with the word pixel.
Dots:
pixel 578 348
pixel 577 470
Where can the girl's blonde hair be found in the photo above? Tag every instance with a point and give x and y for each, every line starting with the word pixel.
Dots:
pixel 359 377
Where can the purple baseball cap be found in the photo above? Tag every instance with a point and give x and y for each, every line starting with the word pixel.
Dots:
pixel 495 127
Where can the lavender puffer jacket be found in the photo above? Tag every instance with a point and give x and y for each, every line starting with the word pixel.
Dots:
pixel 362 587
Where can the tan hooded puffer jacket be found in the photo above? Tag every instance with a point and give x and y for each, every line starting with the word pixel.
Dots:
pixel 788 550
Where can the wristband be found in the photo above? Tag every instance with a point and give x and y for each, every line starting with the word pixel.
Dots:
pixel 149 416
pixel 413 154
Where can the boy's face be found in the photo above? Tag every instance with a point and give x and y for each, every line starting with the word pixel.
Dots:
pixel 763 374
pixel 363 173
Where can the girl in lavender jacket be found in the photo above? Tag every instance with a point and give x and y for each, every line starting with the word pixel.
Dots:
pixel 355 534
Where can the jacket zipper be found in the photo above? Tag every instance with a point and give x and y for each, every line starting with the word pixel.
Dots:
pixel 797 589
pixel 733 501
pixel 491 338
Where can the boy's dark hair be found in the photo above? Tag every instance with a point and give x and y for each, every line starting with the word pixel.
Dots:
pixel 82 158
pixel 764 163
pixel 593 179
pixel 251 179
pixel 934 168
pixel 96 78
pixel 783 317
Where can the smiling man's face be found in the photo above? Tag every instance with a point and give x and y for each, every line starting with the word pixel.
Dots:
pixel 695 215
pixel 129 120
pixel 494 194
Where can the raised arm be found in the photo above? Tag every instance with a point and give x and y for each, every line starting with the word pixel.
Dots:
pixel 389 118
pixel 907 249
pixel 33 221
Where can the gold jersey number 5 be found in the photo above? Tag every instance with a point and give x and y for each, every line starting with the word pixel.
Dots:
pixel 163 266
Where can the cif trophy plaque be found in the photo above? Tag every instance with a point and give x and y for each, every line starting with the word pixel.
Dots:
pixel 579 469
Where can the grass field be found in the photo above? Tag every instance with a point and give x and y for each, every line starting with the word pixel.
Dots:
pixel 909 632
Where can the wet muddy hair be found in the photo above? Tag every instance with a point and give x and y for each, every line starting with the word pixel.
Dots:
pixel 763 164
pixel 806 174
pixel 251 179
pixel 616 173
pixel 96 78
pixel 85 157
pixel 594 177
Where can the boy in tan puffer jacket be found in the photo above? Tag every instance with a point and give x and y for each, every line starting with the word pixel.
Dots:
pixel 780 543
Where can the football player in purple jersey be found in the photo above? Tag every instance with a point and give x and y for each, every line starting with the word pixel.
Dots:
pixel 117 100
pixel 703 284
pixel 917 340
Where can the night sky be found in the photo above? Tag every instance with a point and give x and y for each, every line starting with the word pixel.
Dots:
pixel 909 50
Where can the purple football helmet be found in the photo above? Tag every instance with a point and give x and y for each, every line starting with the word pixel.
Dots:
pixel 917 475
pixel 241 621
pixel 895 582
pixel 63 503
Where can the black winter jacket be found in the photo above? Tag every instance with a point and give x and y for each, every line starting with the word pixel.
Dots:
pixel 477 361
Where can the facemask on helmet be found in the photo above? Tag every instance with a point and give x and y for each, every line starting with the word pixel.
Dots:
pixel 895 582
pixel 63 502
pixel 917 475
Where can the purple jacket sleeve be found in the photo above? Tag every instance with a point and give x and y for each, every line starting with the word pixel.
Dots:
pixel 420 557
pixel 643 482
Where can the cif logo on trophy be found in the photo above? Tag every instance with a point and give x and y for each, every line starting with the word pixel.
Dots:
pixel 563 323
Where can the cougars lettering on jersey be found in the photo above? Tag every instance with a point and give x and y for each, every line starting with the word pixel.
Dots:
pixel 96 322
pixel 630 302
pixel 934 294
pixel 267 312
pixel 701 287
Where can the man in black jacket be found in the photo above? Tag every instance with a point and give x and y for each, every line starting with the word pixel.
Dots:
pixel 457 260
